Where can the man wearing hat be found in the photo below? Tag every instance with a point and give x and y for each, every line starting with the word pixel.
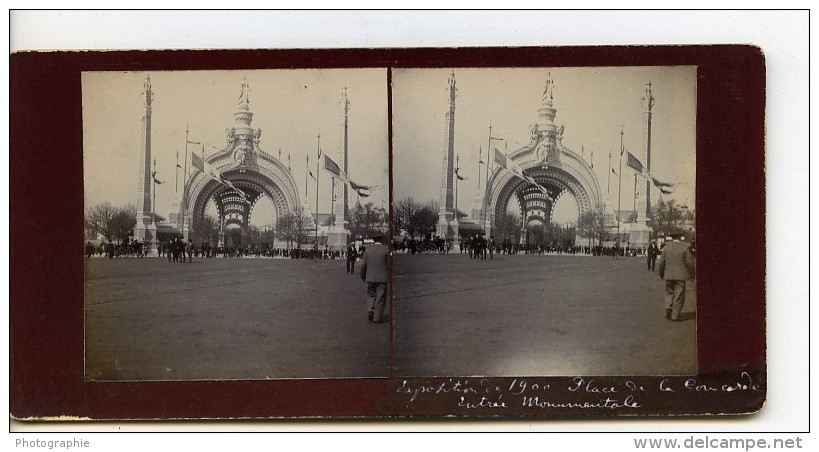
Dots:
pixel 653 251
pixel 375 272
pixel 676 267
pixel 352 254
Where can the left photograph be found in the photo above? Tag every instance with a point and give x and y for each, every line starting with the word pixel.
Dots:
pixel 236 224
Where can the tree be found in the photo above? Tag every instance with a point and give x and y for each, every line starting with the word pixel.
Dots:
pixel 295 227
pixel 99 219
pixel 124 221
pixel 206 229
pixel 595 224
pixel 507 227
pixel 111 222
pixel 366 220
pixel 668 218
pixel 413 217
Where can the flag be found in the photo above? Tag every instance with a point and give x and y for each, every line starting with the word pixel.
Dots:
pixel 179 166
pixel 194 142
pixel 153 174
pixel 332 167
pixel 661 184
pixel 502 161
pixel 197 162
pixel 208 170
pixel 615 172
pixel 632 161
pixel 319 153
pixel 458 175
pixel 236 189
pixel 362 190
pixel 311 174
pixel 665 188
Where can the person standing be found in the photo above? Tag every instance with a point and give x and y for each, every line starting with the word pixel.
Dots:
pixel 352 254
pixel 653 252
pixel 676 267
pixel 189 250
pixel 375 272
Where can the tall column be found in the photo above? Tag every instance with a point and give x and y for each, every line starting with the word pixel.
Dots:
pixel 145 229
pixel 447 226
pixel 338 235
pixel 644 204
pixel 341 207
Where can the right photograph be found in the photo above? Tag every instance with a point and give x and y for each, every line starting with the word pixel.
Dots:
pixel 544 221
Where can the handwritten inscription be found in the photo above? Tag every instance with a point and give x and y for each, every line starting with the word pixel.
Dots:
pixel 446 387
pixel 584 393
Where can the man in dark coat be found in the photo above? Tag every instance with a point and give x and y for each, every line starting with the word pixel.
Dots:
pixel 352 254
pixel 653 252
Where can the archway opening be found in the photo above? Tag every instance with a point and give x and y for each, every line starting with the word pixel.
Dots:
pixel 536 231
pixel 262 227
pixel 233 235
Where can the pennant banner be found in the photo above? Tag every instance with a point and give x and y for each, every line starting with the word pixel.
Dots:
pixel 502 161
pixel 332 167
pixel 208 170
pixel 157 181
pixel 197 162
pixel 458 175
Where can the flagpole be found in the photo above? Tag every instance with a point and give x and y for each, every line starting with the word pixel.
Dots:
pixel 318 148
pixel 306 175
pixel 608 184
pixel 635 194
pixel 480 154
pixel 619 190
pixel 153 203
pixel 457 168
pixel 176 170
pixel 185 185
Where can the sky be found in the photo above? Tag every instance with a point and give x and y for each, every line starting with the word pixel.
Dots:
pixel 592 104
pixel 290 106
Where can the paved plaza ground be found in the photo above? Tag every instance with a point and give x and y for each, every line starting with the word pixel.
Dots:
pixel 248 318
pixel 530 315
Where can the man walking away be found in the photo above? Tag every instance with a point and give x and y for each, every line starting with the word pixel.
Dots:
pixel 375 272
pixel 676 267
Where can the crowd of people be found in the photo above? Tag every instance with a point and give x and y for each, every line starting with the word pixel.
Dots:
pixel 131 248
pixel 179 250
pixel 479 246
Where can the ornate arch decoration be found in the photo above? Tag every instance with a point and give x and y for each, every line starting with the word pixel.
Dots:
pixel 263 176
pixel 553 166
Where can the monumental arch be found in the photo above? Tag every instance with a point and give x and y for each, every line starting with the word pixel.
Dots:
pixel 551 164
pixel 249 168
